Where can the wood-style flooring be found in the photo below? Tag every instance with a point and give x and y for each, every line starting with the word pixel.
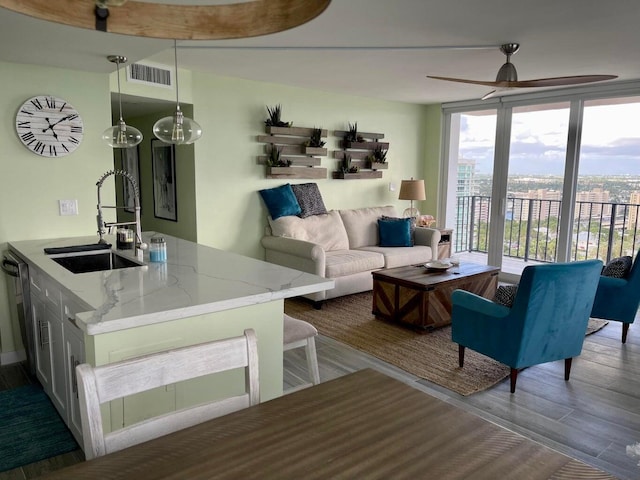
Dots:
pixel 593 417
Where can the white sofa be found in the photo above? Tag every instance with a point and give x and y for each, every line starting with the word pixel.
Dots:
pixel 343 245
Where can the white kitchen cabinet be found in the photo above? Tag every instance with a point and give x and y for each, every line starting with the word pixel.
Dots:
pixel 74 356
pixel 40 330
pixel 59 345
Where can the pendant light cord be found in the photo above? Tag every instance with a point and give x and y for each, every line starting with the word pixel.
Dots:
pixel 119 92
pixel 175 57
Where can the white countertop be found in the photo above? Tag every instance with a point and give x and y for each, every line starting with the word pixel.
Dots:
pixel 195 280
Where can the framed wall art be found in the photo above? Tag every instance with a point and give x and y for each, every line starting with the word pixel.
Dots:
pixel 163 163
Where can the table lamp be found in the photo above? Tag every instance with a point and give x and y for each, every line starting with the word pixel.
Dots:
pixel 412 190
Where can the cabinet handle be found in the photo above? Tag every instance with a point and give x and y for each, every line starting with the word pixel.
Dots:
pixel 44 334
pixel 74 385
pixel 43 329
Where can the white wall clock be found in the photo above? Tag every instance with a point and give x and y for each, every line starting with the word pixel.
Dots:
pixel 49 126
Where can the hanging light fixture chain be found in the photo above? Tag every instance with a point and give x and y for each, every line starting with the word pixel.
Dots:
pixel 119 94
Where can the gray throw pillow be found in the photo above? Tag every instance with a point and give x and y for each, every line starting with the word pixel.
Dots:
pixel 617 267
pixel 309 198
pixel 505 295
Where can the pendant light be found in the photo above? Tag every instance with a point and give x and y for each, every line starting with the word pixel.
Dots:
pixel 177 129
pixel 121 135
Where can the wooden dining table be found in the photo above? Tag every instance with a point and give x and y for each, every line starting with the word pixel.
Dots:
pixel 365 425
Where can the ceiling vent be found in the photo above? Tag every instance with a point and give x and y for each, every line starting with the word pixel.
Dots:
pixel 150 74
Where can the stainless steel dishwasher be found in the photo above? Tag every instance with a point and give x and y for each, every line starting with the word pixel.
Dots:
pixel 17 273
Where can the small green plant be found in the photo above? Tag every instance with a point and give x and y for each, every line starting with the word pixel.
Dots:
pixel 346 165
pixel 275 119
pixel 352 134
pixel 274 159
pixel 315 141
pixel 379 155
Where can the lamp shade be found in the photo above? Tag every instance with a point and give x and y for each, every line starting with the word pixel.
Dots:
pixel 412 190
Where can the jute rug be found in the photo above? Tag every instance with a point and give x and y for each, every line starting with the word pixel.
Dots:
pixel 432 356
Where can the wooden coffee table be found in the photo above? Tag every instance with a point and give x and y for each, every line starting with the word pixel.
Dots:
pixel 421 298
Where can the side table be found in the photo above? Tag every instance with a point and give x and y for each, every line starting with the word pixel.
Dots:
pixel 444 247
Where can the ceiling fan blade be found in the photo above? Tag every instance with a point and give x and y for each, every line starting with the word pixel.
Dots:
pixel 489 95
pixel 474 82
pixel 561 81
pixel 539 82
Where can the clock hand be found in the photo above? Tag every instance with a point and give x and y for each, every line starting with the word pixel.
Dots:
pixel 61 120
pixel 50 127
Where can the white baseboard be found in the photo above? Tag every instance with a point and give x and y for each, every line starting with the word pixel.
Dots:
pixel 7 358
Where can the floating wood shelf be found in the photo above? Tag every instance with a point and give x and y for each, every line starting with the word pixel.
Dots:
pixel 357 175
pixel 360 153
pixel 291 142
pixel 296 172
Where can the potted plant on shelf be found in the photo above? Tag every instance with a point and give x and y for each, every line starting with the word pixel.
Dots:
pixel 275 118
pixel 315 144
pixel 352 135
pixel 275 163
pixel 377 160
pixel 347 170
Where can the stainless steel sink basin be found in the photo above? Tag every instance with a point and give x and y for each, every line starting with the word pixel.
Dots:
pixel 97 261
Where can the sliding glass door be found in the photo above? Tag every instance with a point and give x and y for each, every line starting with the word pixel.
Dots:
pixel 538 181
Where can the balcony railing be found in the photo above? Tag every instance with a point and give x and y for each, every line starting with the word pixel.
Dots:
pixel 600 229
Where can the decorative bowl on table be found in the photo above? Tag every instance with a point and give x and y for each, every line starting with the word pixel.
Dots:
pixel 438 265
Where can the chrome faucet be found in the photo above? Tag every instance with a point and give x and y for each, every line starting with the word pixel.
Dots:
pixel 138 243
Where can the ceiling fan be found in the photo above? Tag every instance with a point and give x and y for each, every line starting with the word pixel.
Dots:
pixel 508 76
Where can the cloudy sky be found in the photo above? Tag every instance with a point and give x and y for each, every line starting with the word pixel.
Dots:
pixel 610 141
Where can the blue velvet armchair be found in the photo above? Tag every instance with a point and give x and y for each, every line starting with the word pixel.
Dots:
pixel 618 298
pixel 547 321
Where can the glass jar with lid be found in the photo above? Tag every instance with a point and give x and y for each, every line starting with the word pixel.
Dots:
pixel 158 250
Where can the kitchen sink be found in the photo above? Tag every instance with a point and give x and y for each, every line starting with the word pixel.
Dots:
pixel 97 261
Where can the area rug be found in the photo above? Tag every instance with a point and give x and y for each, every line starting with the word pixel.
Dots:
pixel 432 356
pixel 30 428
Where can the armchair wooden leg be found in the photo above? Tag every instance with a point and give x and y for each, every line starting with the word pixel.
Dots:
pixel 567 368
pixel 625 329
pixel 461 355
pixel 514 378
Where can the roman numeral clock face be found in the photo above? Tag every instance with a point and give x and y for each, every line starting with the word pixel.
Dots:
pixel 49 126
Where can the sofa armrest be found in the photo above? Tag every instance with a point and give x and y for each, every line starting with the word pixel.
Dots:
pixel 429 237
pixel 293 253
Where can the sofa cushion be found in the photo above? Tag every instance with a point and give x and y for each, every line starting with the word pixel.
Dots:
pixel 326 230
pixel 280 201
pixel 401 256
pixel 395 232
pixel 309 198
pixel 362 224
pixel 346 262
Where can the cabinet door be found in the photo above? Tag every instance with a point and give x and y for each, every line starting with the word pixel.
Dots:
pixel 74 351
pixel 43 345
pixel 58 369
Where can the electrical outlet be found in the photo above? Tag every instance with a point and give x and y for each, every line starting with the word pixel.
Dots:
pixel 68 207
pixel 392 187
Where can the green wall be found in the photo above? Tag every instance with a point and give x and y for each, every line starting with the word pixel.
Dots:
pixel 230 213
pixel 218 202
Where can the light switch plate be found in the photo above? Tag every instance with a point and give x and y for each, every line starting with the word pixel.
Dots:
pixel 68 207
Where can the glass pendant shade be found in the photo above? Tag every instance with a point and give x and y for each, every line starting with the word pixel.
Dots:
pixel 177 129
pixel 121 135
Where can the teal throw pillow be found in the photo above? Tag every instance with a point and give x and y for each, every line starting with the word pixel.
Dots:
pixel 395 232
pixel 280 201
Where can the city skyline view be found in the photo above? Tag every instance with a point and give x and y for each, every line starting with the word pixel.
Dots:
pixel 610 140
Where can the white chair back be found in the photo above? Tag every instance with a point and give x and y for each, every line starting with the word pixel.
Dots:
pixel 117 380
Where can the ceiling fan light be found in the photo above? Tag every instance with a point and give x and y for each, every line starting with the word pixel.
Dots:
pixel 507 73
